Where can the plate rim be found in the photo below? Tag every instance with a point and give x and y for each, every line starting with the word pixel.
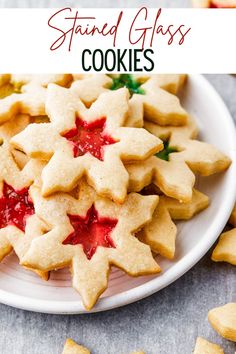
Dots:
pixel 154 285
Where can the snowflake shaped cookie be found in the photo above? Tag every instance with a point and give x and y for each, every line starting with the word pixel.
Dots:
pixel 26 93
pixel 172 169
pixel 18 222
pixel 91 142
pixel 160 233
pixel 201 157
pixel 147 91
pixel 90 234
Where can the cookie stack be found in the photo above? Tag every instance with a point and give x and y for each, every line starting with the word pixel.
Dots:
pixel 93 171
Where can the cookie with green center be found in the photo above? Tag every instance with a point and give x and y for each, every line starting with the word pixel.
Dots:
pixel 200 157
pixel 148 98
pixel 128 81
pixel 173 178
pixel 164 154
pixel 26 94
pixel 90 233
pixel 18 222
pixel 159 105
pixel 91 142
pixel 172 169
pixel 160 233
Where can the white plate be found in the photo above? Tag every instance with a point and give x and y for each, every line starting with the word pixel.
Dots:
pixel 23 289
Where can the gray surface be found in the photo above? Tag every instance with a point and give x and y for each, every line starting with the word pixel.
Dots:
pixel 165 323
pixel 94 3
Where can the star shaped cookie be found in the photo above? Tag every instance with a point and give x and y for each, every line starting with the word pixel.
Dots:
pixel 201 157
pixel 172 169
pixel 26 93
pixel 160 233
pixel 18 222
pixel 90 234
pixel 86 142
pixel 174 178
pixel 151 92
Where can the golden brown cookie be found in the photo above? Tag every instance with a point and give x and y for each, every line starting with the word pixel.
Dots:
pixel 173 178
pixel 148 91
pixel 26 94
pixel 73 348
pixel 160 233
pixel 171 82
pixel 205 347
pixel 18 222
pixel 91 142
pixel 90 234
pixel 223 320
pixel 232 219
pixel 214 3
pixel 201 157
pixel 225 251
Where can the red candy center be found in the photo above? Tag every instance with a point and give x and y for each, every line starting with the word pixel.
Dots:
pixel 91 231
pixel 15 207
pixel 89 137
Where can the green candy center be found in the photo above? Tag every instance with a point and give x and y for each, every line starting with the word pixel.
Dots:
pixel 164 154
pixel 127 80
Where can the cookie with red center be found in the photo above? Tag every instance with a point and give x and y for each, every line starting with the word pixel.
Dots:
pixel 18 222
pixel 26 93
pixel 151 96
pixel 171 170
pixel 90 234
pixel 91 142
pixel 217 4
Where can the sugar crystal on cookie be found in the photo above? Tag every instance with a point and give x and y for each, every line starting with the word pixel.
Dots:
pixel 89 137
